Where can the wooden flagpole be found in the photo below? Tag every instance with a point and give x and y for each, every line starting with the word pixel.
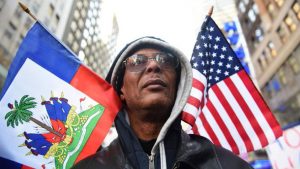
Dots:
pixel 26 9
pixel 211 9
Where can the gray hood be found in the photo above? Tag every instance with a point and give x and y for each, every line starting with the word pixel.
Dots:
pixel 116 73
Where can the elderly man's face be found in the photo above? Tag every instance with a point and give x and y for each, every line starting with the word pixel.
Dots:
pixel 153 87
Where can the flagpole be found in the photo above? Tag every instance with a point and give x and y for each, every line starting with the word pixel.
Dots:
pixel 211 9
pixel 26 9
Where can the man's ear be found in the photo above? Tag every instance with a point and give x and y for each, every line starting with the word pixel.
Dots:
pixel 122 95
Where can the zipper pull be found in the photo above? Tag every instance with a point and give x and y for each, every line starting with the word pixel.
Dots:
pixel 151 161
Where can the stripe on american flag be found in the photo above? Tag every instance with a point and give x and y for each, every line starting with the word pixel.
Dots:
pixel 228 111
pixel 196 99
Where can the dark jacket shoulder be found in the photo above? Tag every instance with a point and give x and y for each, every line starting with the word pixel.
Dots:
pixel 198 152
pixel 108 157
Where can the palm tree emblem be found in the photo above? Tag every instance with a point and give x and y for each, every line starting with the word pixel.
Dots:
pixel 20 111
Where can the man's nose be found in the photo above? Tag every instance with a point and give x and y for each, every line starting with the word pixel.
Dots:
pixel 153 65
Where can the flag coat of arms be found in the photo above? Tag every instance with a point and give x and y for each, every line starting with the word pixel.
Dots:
pixel 54 110
pixel 224 104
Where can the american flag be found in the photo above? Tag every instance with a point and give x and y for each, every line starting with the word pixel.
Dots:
pixel 224 105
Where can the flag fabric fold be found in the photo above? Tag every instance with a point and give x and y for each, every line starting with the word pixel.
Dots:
pixel 224 104
pixel 54 110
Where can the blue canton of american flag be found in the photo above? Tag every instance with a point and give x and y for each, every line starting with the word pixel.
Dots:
pixel 213 57
pixel 224 104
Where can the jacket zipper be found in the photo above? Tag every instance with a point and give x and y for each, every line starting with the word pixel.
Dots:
pixel 151 161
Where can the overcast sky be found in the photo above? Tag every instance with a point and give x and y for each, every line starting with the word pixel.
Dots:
pixel 176 21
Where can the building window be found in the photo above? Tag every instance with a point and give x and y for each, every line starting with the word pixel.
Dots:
pixel 272 49
pixel 251 15
pixel 75 46
pixel 83 13
pixel 70 38
pixel 51 10
pixel 57 18
pixel 76 14
pixel 294 60
pixel 8 35
pixel 267 90
pixel 259 34
pixel 263 61
pixel 271 9
pixel 255 8
pixel 282 75
pixel 18 13
pixel 87 51
pixel 294 64
pixel 78 34
pixel 246 2
pixel 73 26
pixel 283 32
pixel 79 4
pixel 91 59
pixel 292 25
pixel 81 55
pixel 296 9
pixel 12 26
pixel 83 43
pixel 279 2
pixel 80 23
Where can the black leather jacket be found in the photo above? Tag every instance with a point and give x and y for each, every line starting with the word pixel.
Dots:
pixel 194 153
pixel 183 152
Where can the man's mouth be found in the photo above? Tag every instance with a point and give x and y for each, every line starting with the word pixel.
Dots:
pixel 155 82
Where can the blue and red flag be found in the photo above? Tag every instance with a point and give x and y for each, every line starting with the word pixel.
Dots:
pixel 54 111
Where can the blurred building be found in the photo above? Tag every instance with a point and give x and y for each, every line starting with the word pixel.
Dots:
pixel 272 31
pixel 92 34
pixel 88 27
pixel 225 15
pixel 15 24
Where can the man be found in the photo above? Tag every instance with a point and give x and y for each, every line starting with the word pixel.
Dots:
pixel 153 80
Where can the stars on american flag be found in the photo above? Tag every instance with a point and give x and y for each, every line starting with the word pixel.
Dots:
pixel 214 60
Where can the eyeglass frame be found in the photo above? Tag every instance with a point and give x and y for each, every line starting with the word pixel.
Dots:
pixel 153 58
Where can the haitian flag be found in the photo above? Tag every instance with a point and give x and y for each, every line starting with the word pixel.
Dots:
pixel 54 111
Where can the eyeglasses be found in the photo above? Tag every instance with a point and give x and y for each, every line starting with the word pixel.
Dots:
pixel 138 62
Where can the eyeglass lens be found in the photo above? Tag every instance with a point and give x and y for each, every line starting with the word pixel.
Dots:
pixel 138 62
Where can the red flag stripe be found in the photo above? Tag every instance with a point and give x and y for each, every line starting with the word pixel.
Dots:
pixel 196 99
pixel 200 77
pixel 211 133
pixel 254 108
pixel 241 116
pixel 188 118
pixel 199 127
pixel 248 135
pixel 198 84
pixel 191 112
pixel 239 98
pixel 195 130
pixel 262 105
pixel 193 101
pixel 229 114
pixel 223 126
